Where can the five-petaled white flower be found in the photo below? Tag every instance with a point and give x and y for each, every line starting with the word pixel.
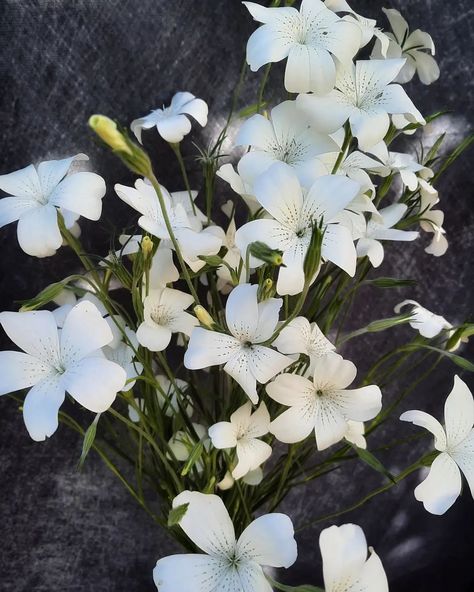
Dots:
pixel 295 214
pixel 226 564
pixel 398 162
pixel 242 432
pixel 369 244
pixel 346 567
pixel 455 442
pixel 53 362
pixel 364 96
pixel 164 313
pixel 35 195
pixel 324 405
pixel 250 323
pixel 427 323
pixel 285 137
pixel 171 122
pixel 311 39
pixel 411 46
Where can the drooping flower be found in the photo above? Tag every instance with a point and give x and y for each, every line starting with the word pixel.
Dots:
pixel 398 162
pixel 324 405
pixel 242 432
pixel 250 323
pixel 37 193
pixel 417 47
pixel 423 320
pixel 172 122
pixel 369 244
pixel 295 214
pixel 346 567
pixel 432 220
pixel 310 38
pixel 164 314
pixel 53 362
pixel 455 442
pixel 364 97
pixel 226 564
pixel 285 137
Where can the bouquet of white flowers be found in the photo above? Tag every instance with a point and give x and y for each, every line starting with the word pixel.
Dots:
pixel 210 354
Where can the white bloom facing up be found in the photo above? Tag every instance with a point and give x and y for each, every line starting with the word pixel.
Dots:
pixel 164 314
pixel 455 442
pixel 295 213
pixel 346 567
pixel 427 323
pixel 417 47
pixel 173 122
pixel 323 405
pixel 37 193
pixel 250 322
pixel 242 432
pixel 55 361
pixel 311 39
pixel 369 244
pixel 227 564
pixel 364 96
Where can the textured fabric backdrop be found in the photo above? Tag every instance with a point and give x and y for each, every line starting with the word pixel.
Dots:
pixel 61 60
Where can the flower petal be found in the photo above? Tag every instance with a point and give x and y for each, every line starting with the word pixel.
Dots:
pixel 291 389
pixel 38 232
pixel 241 312
pixel 369 128
pixel 309 69
pixel 209 348
pixel 338 247
pixel 154 337
pixel 373 249
pixel 294 424
pixel 427 421
pixel 24 183
pixel 327 114
pixel 13 208
pixel 268 314
pixel 20 371
pixel 442 487
pixel 173 128
pixel 265 363
pixel 458 413
pixel 239 368
pixel 81 193
pixel 197 108
pixel 223 435
pixel 41 406
pixel 328 196
pixel 251 453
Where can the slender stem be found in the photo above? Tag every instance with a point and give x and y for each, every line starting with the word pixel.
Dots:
pixel 177 150
pixel 342 153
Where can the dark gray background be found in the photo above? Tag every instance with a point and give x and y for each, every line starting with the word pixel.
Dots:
pixel 61 60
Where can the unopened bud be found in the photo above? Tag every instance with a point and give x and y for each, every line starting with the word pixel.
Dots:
pixel 266 290
pixel 312 260
pixel 146 246
pixel 204 317
pixel 263 252
pixel 107 131
pixel 227 482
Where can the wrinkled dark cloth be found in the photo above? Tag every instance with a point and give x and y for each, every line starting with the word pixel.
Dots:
pixel 64 530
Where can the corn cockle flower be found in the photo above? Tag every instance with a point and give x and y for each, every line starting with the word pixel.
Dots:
pixel 37 193
pixel 250 323
pixel 423 320
pixel 346 567
pixel 324 405
pixel 364 97
pixel 417 47
pixel 295 214
pixel 164 313
pixel 310 38
pixel 172 122
pixel 242 432
pixel 455 442
pixel 53 362
pixel 369 244
pixel 226 563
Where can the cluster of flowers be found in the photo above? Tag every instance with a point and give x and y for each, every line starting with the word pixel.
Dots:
pixel 308 181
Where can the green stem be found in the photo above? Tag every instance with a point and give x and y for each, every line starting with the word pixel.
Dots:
pixel 177 150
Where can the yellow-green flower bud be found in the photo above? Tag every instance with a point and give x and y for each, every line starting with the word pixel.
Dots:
pixel 147 246
pixel 263 252
pixel 107 131
pixel 204 317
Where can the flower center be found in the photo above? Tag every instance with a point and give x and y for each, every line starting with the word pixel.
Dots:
pixel 161 315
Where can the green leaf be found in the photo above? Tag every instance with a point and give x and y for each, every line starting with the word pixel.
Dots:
pixel 176 514
pixel 195 455
pixel 88 441
pixel 303 588
pixel 458 360
pixel 388 282
pixel 448 161
pixel 430 157
pixel 44 297
pixel 369 459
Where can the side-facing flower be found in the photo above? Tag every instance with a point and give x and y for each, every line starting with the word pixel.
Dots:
pixel 172 122
pixel 37 193
pixel 427 323
pixel 227 563
pixel 324 405
pixel 121 349
pixel 250 323
pixel 432 220
pixel 455 442
pixel 346 567
pixel 398 162
pixel 310 38
pixel 369 244
pixel 295 214
pixel 53 362
pixel 242 432
pixel 364 97
pixel 164 314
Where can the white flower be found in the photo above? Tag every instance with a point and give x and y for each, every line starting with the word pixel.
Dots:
pixel 250 322
pixel 286 137
pixel 346 567
pixel 424 321
pixel 35 195
pixel 324 405
pixel 295 213
pixel 164 314
pixel 192 243
pixel 121 349
pixel 355 433
pixel 432 220
pixel 241 181
pixel 171 122
pixel 182 444
pixel 398 162
pixel 232 258
pixel 57 361
pixel 455 442
pixel 411 46
pixel 226 564
pixel 369 244
pixel 364 96
pixel 311 39
pixel 242 432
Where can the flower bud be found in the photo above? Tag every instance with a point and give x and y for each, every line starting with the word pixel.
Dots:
pixel 263 252
pixel 227 482
pixel 204 317
pixel 107 131
pixel 266 290
pixel 312 260
pixel 146 246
